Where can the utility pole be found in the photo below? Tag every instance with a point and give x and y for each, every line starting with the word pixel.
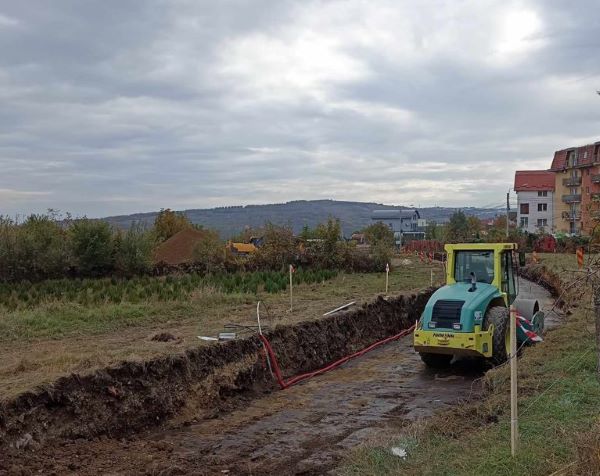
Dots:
pixel 507 210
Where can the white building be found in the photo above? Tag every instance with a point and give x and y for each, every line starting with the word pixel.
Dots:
pixel 535 198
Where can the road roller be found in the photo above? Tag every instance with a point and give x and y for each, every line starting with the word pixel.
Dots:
pixel 470 314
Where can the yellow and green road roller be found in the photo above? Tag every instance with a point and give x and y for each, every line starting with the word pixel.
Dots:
pixel 470 314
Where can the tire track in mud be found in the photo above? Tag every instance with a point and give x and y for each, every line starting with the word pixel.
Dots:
pixel 302 430
pixel 318 421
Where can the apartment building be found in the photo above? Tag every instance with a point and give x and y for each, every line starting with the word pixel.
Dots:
pixel 577 188
pixel 535 200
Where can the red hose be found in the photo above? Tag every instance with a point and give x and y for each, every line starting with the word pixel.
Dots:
pixel 294 380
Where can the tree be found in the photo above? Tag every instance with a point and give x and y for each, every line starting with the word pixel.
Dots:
pixel 497 232
pixel 167 223
pixel 431 231
pixel 279 248
pixel 9 241
pixel 307 233
pixel 133 250
pixel 42 248
pixel 457 230
pixel 382 254
pixel 92 246
pixel 330 233
pixel 210 251
pixel 474 227
pixel 381 239
pixel 328 251
pixel 379 233
pixel 36 249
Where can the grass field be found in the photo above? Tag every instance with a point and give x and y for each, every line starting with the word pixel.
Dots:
pixel 64 307
pixel 92 292
pixel 561 262
pixel 39 342
pixel 559 408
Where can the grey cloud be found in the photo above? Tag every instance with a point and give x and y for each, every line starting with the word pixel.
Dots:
pixel 122 106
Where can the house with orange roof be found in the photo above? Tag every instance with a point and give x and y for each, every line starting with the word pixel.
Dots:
pixel 179 249
pixel 535 200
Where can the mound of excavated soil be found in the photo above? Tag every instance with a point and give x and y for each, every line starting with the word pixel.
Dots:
pixel 133 395
pixel 179 249
pixel 164 337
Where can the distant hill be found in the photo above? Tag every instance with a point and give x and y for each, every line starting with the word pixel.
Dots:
pixel 353 215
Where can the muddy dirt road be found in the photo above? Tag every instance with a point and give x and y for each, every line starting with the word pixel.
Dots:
pixel 302 430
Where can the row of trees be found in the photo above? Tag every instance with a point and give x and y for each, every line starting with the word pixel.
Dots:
pixel 464 228
pixel 320 247
pixel 467 228
pixel 43 247
pixel 52 246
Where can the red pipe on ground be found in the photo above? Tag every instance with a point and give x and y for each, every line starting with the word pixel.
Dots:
pixel 298 378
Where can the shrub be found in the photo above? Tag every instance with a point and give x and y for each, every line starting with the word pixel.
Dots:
pixel 92 246
pixel 378 233
pixel 328 249
pixel 34 250
pixel 43 247
pixel 381 254
pixel 133 251
pixel 210 252
pixel 279 249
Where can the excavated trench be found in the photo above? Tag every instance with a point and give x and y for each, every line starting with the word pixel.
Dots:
pixel 133 396
pixel 208 411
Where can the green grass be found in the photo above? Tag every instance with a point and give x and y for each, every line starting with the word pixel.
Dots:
pixel 559 262
pixel 559 400
pixel 62 319
pixel 62 309
pixel 91 292
pixel 566 263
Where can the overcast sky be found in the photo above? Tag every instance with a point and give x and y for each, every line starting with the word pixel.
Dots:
pixel 112 107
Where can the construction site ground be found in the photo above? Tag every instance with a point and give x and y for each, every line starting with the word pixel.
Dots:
pixel 46 348
pixel 302 430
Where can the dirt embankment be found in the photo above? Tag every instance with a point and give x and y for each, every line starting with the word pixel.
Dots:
pixel 198 383
pixel 544 277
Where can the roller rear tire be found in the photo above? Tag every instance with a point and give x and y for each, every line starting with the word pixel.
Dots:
pixel 436 361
